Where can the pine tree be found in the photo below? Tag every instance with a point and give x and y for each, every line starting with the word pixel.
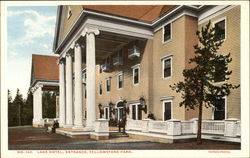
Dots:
pixel 18 103
pixel 198 88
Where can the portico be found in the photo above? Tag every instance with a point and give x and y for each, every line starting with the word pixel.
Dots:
pixel 90 42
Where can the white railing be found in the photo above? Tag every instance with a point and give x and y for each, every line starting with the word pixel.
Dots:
pixel 117 60
pixel 134 52
pixel 186 127
pixel 238 128
pixel 213 127
pixel 134 125
pixel 157 126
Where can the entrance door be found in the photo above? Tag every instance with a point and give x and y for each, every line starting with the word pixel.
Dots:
pixel 120 113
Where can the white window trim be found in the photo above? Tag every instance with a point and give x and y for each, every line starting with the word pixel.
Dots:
pixel 171 32
pixel 163 108
pixel 137 66
pixel 213 108
pixel 218 20
pixel 108 78
pixel 162 66
pixel 118 112
pixel 120 74
pixel 136 110
pixel 105 112
pixel 69 12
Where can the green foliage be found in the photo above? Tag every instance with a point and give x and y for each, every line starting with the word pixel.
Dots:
pixel 49 104
pixel 198 85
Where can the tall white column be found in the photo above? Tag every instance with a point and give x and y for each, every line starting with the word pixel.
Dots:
pixel 78 87
pixel 62 92
pixel 37 106
pixel 90 67
pixel 69 95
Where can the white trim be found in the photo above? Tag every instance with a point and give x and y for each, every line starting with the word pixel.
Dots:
pixel 216 11
pixel 163 108
pixel 137 66
pixel 174 18
pixel 108 78
pixel 100 84
pixel 219 20
pixel 213 109
pixel 163 32
pixel 105 112
pixel 120 74
pixel 136 110
pixel 163 59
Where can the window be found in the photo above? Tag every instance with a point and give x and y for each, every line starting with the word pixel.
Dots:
pixel 84 77
pixel 136 112
pixel 167 67
pixel 120 81
pixel 136 74
pixel 106 112
pixel 100 88
pixel 69 12
pixel 167 32
pixel 219 109
pixel 219 68
pixel 167 110
pixel 108 84
pixel 85 93
pixel 220 29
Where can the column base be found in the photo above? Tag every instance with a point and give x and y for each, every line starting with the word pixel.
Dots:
pixel 78 127
pixel 89 128
pixel 38 123
pixel 67 126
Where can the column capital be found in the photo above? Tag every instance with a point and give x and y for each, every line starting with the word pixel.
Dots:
pixel 87 30
pixel 61 61
pixel 69 53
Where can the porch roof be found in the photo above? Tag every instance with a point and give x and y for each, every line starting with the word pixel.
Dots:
pixel 44 68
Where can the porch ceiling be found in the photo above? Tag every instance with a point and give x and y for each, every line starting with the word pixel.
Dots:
pixel 106 45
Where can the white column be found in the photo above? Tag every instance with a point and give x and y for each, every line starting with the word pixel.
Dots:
pixel 90 67
pixel 69 95
pixel 62 93
pixel 37 106
pixel 78 87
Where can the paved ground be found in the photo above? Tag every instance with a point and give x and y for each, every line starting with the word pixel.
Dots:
pixel 29 138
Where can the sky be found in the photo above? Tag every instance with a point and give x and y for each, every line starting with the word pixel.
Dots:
pixel 30 30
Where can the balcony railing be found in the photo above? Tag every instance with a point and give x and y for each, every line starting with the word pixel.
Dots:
pixel 213 127
pixel 157 126
pixel 106 68
pixel 134 124
pixel 117 61
pixel 134 52
pixel 186 127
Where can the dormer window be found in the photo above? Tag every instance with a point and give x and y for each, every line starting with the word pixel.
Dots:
pixel 69 12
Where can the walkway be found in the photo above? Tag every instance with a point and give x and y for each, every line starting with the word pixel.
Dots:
pixel 29 138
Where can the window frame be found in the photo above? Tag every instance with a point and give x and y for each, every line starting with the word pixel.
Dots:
pixel 171 32
pixel 213 109
pixel 108 79
pixel 163 59
pixel 69 12
pixel 137 66
pixel 100 88
pixel 163 108
pixel 219 20
pixel 136 110
pixel 122 76
pixel 105 112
